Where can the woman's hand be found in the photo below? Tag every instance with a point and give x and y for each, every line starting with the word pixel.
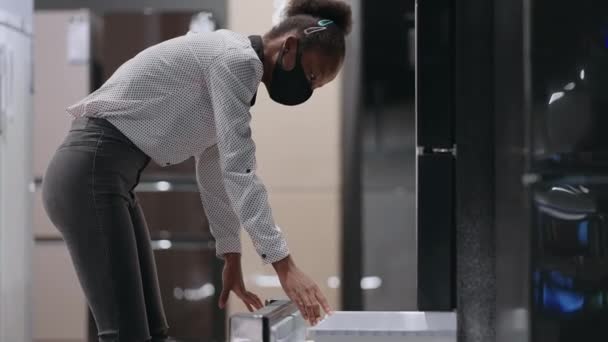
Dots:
pixel 232 280
pixel 302 290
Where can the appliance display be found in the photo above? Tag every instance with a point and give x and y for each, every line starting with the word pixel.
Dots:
pixel 569 159
pixel 15 170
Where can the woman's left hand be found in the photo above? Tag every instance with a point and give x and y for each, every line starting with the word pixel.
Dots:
pixel 232 280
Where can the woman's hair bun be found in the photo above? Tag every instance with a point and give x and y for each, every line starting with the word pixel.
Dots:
pixel 337 11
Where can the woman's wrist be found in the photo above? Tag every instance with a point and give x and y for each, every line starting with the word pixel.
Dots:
pixel 232 257
pixel 284 265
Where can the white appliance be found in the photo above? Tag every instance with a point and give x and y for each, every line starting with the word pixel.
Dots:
pixel 15 169
pixel 280 321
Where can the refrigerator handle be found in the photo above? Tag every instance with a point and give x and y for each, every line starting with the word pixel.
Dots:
pixel 6 80
pixel 3 86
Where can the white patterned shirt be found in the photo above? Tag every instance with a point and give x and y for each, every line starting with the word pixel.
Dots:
pixel 191 96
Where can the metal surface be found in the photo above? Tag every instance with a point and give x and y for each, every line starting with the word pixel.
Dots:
pixel 386 327
pixel 475 182
pixel 15 171
pixel 279 321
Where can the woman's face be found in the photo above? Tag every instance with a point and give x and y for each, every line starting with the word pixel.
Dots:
pixel 320 68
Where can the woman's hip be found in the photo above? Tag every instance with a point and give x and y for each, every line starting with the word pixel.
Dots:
pixel 94 159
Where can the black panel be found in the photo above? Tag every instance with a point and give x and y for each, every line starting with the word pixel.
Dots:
pixel 351 191
pixel 436 232
pixel 474 134
pixel 434 72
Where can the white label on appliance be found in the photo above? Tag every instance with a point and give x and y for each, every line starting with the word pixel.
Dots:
pixel 79 40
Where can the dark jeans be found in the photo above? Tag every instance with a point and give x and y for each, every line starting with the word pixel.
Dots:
pixel 88 195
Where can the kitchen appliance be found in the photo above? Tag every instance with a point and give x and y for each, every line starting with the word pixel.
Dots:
pixel 436 155
pixel 280 321
pixel 386 327
pixel 15 170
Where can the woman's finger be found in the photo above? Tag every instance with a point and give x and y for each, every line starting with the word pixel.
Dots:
pixel 244 296
pixel 248 306
pixel 297 298
pixel 323 301
pixel 317 310
pixel 253 301
pixel 224 298
pixel 309 303
pixel 256 300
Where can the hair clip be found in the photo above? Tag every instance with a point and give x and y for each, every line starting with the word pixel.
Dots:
pixel 314 29
pixel 325 22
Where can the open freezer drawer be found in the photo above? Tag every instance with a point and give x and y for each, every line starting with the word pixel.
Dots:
pixel 386 327
pixel 280 321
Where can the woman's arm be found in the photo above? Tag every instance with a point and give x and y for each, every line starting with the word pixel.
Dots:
pixel 232 79
pixel 223 222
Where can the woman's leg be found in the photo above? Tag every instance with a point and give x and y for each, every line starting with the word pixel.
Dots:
pixel 154 306
pixel 86 198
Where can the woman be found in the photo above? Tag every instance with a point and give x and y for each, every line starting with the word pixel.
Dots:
pixel 189 96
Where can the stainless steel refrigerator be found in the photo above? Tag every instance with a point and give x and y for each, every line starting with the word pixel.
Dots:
pixel 15 174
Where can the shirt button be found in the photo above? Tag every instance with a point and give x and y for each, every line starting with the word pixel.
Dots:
pixel 167 164
pixel 263 256
pixel 248 170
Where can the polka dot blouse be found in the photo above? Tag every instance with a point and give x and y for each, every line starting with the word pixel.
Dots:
pixel 191 96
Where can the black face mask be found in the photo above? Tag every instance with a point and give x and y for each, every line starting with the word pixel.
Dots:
pixel 290 87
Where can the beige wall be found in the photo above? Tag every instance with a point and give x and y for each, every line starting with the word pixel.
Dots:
pixel 59 305
pixel 298 158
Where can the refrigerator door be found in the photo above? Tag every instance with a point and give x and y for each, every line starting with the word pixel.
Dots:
pixel 434 116
pixel 15 178
pixel 435 232
pixel 436 154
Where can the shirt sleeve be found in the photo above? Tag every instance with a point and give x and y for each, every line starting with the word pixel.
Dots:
pixel 223 222
pixel 232 80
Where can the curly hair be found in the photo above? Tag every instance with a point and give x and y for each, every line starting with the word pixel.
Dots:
pixel 320 24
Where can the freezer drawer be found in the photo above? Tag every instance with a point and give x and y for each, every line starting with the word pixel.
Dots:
pixel 435 220
pixel 386 327
pixel 279 321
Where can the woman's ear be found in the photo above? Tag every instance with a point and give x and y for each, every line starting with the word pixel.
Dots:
pixel 290 51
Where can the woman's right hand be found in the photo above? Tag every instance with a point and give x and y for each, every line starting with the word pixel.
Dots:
pixel 302 290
